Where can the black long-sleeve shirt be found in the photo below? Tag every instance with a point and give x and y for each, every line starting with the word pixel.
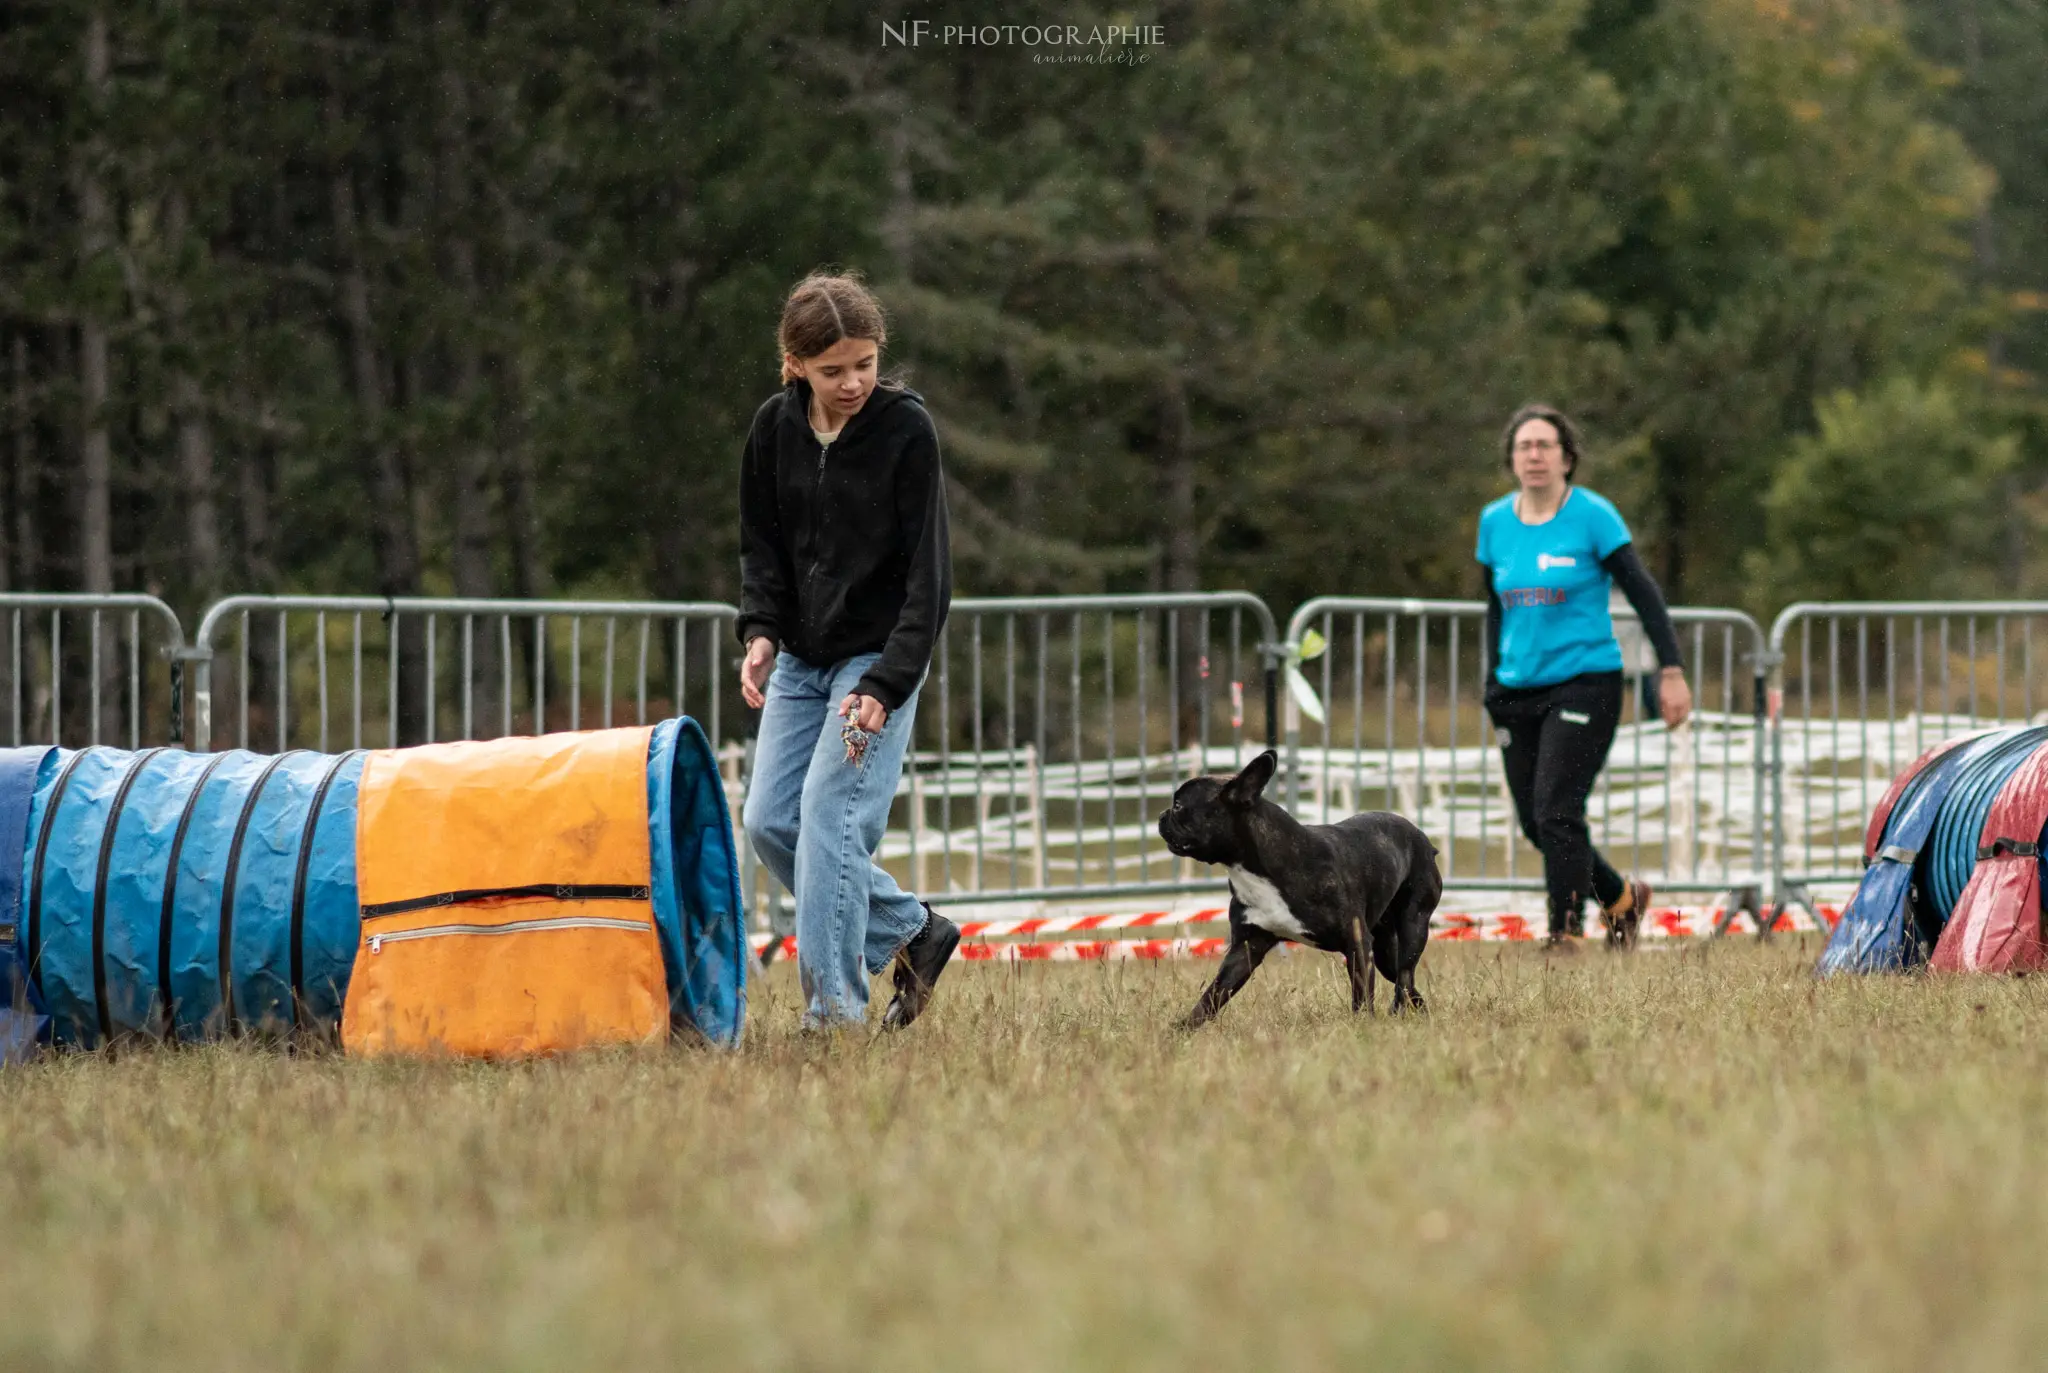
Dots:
pixel 1642 591
pixel 846 553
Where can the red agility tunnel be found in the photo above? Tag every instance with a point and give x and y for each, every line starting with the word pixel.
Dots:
pixel 1996 924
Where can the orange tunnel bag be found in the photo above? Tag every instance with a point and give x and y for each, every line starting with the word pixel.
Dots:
pixel 505 896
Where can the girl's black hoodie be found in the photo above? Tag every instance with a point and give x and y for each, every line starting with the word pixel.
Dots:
pixel 846 553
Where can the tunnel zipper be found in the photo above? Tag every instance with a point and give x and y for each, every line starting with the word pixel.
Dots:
pixel 562 922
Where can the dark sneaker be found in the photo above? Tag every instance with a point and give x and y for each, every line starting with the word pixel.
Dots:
pixel 918 965
pixel 1625 917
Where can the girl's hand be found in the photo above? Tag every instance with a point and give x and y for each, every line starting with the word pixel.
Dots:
pixel 755 671
pixel 1674 697
pixel 865 711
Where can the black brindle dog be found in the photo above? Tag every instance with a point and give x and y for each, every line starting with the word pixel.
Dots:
pixel 1364 887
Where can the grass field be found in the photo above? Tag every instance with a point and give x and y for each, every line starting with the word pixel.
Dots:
pixel 1684 1159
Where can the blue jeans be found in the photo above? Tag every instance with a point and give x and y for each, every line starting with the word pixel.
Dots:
pixel 816 820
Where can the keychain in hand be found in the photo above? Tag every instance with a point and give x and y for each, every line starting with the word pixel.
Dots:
pixel 856 740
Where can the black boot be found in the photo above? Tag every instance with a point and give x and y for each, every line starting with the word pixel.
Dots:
pixel 918 965
pixel 1625 917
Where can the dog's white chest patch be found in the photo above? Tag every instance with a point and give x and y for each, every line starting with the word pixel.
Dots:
pixel 1264 906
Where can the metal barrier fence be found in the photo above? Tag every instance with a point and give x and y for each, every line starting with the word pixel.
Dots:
pixel 332 672
pixel 1860 689
pixel 1052 730
pixel 82 669
pixel 1401 691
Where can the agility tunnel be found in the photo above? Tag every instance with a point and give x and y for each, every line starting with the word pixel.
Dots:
pixel 1952 859
pixel 491 898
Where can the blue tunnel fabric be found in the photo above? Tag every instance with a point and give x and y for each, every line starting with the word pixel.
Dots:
pixel 697 905
pixel 1872 934
pixel 221 897
pixel 22 1022
pixel 1876 932
pixel 223 887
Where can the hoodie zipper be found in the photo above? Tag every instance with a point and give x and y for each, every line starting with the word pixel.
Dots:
pixel 804 607
pixel 561 922
pixel 817 504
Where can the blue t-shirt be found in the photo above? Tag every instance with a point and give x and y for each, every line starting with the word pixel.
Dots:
pixel 1553 591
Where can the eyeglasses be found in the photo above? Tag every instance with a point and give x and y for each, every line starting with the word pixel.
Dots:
pixel 1538 446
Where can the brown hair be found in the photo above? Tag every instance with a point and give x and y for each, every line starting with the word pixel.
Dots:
pixel 824 308
pixel 1567 434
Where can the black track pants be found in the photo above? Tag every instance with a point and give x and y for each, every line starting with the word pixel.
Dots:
pixel 1554 741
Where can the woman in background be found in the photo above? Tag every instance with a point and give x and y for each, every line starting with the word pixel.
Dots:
pixel 1551 550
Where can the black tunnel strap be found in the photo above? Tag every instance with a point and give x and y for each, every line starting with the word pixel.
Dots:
pixel 165 923
pixel 545 890
pixel 299 878
pixel 1898 854
pixel 99 892
pixel 227 892
pixel 2017 848
pixel 32 948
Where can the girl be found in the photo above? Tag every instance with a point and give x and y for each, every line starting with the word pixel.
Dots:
pixel 1551 550
pixel 846 578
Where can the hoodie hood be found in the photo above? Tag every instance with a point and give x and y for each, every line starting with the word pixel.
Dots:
pixel 796 403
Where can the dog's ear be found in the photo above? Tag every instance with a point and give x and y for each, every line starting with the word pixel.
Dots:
pixel 1244 788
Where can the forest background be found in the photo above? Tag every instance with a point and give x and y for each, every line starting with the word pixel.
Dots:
pixel 475 297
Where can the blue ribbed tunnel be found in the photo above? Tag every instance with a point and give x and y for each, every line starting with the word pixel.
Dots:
pixel 1951 851
pixel 194 895
pixel 247 864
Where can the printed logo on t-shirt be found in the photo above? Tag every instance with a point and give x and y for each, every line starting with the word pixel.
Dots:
pixel 1546 561
pixel 1533 595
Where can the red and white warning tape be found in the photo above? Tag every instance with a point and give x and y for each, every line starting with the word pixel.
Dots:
pixel 1665 922
pixel 978 936
pixel 1076 924
pixel 1062 950
pixel 1094 950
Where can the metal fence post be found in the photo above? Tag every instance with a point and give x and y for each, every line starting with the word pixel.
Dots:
pixel 1760 899
pixel 1764 796
pixel 176 736
pixel 1292 710
pixel 201 661
pixel 1770 795
pixel 1774 662
pixel 1273 654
